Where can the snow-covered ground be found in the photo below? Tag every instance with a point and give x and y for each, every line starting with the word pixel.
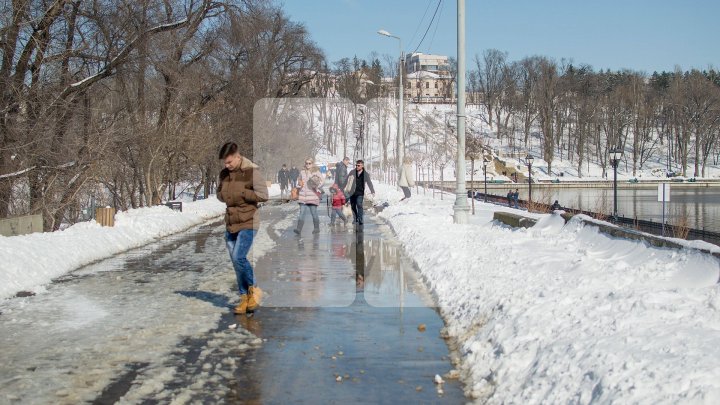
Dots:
pixel 552 314
pixel 29 261
pixel 562 313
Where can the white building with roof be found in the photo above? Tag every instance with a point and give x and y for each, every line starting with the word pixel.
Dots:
pixel 428 79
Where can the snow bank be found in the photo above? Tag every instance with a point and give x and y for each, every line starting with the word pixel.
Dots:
pixel 563 313
pixel 28 261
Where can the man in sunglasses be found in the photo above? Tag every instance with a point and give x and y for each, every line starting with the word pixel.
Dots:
pixel 356 181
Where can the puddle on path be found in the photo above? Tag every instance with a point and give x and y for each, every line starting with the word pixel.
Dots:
pixel 341 324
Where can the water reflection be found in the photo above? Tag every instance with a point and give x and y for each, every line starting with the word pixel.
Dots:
pixel 384 275
pixel 359 262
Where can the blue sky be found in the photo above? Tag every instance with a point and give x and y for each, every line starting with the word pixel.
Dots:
pixel 642 35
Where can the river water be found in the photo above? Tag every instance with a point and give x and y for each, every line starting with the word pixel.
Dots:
pixel 700 203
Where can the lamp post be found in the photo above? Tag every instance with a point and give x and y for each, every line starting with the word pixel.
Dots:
pixel 460 209
pixel 485 163
pixel 529 159
pixel 615 154
pixel 401 90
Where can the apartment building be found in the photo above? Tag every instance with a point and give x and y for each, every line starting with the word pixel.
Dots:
pixel 428 78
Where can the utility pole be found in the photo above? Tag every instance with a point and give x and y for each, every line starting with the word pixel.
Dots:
pixel 460 209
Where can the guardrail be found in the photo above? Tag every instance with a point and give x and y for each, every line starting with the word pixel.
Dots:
pixel 651 227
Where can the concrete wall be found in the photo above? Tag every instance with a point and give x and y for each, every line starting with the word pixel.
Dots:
pixel 21 225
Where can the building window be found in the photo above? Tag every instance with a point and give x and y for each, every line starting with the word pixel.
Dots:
pixel 427 85
pixel 418 85
pixel 436 85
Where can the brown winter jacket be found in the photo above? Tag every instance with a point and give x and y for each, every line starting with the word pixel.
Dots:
pixel 241 190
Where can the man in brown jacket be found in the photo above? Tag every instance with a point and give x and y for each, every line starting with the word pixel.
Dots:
pixel 241 188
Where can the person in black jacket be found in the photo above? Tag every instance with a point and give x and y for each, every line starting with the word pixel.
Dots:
pixel 283 178
pixel 355 187
pixel 294 174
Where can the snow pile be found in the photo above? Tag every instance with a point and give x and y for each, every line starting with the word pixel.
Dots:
pixel 28 261
pixel 562 313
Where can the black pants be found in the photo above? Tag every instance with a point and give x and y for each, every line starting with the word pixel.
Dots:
pixel 406 191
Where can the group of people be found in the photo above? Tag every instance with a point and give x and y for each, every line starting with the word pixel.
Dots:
pixel 242 188
pixel 287 179
pixel 513 198
pixel 348 187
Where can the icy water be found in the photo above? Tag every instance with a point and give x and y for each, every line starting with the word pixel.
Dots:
pixel 340 324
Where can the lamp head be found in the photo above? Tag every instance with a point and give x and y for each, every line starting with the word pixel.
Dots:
pixel 529 158
pixel 383 32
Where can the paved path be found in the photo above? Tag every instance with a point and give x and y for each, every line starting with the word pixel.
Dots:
pixel 339 325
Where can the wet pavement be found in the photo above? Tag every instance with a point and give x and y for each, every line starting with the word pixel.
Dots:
pixel 362 328
pixel 345 320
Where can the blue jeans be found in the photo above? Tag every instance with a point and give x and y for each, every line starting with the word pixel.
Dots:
pixel 238 245
pixel 336 212
pixel 356 203
pixel 304 209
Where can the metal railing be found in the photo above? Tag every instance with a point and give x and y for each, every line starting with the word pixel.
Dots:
pixel 651 227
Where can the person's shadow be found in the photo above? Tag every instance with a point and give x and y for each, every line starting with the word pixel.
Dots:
pixel 217 300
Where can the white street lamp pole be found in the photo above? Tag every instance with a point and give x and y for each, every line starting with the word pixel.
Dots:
pixel 460 215
pixel 400 138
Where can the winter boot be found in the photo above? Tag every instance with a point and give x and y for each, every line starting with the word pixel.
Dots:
pixel 242 307
pixel 299 227
pixel 316 225
pixel 255 298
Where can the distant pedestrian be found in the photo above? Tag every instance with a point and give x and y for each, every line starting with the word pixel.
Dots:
pixel 556 206
pixel 283 178
pixel 510 196
pixel 341 172
pixel 516 197
pixel 338 201
pixel 241 187
pixel 294 174
pixel 355 187
pixel 407 177
pixel 311 181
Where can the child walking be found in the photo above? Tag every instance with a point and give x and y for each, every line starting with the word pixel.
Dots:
pixel 338 200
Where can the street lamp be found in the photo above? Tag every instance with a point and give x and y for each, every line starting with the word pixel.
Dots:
pixel 615 154
pixel 529 159
pixel 401 90
pixel 485 164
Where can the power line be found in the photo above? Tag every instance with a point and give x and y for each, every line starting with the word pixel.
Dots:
pixel 432 39
pixel 429 25
pixel 421 21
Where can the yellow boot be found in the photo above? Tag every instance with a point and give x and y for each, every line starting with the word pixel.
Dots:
pixel 255 298
pixel 242 307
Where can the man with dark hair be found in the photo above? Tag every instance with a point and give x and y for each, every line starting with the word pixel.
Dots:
pixel 283 178
pixel 241 188
pixel 341 173
pixel 294 174
pixel 355 187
